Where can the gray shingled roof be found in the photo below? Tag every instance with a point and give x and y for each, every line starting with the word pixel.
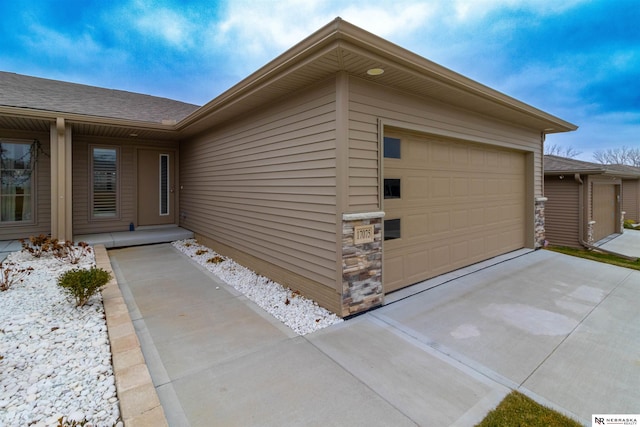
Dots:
pixel 565 164
pixel 557 164
pixel 17 90
pixel 626 169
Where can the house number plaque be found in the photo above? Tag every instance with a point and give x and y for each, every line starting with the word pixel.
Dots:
pixel 363 234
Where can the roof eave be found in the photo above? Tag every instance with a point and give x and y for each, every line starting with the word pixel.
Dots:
pixel 81 118
pixel 339 31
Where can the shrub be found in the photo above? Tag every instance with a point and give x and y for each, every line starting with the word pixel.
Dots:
pixel 215 260
pixel 10 274
pixel 38 245
pixel 201 252
pixel 82 284
pixel 629 223
pixel 70 252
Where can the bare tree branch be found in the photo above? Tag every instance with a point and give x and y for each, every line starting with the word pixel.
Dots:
pixel 618 156
pixel 557 150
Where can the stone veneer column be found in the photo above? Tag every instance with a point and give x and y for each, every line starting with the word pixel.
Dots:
pixel 361 264
pixel 590 239
pixel 540 233
pixel 622 215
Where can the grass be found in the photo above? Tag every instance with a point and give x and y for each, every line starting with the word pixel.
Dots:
pixel 597 256
pixel 516 409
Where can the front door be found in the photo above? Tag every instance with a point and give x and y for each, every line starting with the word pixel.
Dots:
pixel 156 197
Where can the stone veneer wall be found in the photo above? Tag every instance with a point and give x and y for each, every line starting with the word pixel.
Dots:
pixel 540 233
pixel 361 265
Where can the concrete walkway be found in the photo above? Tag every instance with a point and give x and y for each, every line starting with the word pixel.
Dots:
pixel 627 243
pixel 560 329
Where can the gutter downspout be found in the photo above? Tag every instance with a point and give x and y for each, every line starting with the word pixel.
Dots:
pixel 581 228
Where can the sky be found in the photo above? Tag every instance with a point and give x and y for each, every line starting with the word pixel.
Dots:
pixel 576 59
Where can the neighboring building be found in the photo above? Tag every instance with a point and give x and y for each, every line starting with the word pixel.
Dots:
pixel 346 168
pixel 630 190
pixel 585 200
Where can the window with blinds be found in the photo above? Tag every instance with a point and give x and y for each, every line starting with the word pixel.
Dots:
pixel 104 166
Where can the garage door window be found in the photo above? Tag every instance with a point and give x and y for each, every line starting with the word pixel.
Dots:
pixel 391 229
pixel 391 188
pixel 391 148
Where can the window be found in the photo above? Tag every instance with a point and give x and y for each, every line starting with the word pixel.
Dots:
pixel 164 184
pixel 104 162
pixel 391 148
pixel 391 229
pixel 391 188
pixel 16 189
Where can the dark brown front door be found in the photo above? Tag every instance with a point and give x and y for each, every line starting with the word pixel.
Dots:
pixel 156 196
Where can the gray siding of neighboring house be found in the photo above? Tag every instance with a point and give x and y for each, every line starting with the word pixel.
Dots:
pixel 263 190
pixel 369 103
pixel 631 199
pixel 562 211
pixel 127 190
pixel 42 212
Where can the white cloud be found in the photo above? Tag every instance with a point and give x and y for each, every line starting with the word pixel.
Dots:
pixel 69 48
pixel 466 10
pixel 261 27
pixel 171 26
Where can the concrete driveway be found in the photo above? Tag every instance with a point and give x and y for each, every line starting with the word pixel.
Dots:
pixel 560 329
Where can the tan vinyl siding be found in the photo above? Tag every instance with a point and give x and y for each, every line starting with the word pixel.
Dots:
pixel 562 211
pixel 370 102
pixel 127 209
pixel 604 209
pixel 266 186
pixel 631 199
pixel 42 191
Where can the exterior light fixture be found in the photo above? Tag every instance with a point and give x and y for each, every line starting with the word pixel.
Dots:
pixel 375 71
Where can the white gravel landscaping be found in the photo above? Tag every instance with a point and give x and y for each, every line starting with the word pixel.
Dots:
pixel 55 359
pixel 301 314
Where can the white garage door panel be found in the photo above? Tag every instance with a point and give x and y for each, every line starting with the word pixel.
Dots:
pixel 460 203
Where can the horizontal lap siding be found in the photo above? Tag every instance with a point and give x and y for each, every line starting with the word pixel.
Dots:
pixel 266 186
pixel 561 211
pixel 82 221
pixel 631 199
pixel 370 102
pixel 42 201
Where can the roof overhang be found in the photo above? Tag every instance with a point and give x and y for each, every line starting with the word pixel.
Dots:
pixel 343 47
pixel 28 119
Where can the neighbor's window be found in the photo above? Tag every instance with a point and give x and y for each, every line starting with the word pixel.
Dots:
pixel 391 188
pixel 391 148
pixel 391 229
pixel 104 164
pixel 16 191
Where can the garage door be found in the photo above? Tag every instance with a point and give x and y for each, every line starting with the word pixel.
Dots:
pixel 448 204
pixel 604 210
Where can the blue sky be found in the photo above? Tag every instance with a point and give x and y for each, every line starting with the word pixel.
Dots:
pixel 578 60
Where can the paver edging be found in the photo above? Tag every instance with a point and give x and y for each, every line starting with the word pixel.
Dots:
pixel 133 381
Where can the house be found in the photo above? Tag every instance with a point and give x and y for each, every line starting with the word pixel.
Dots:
pixel 630 190
pixel 346 168
pixel 585 200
